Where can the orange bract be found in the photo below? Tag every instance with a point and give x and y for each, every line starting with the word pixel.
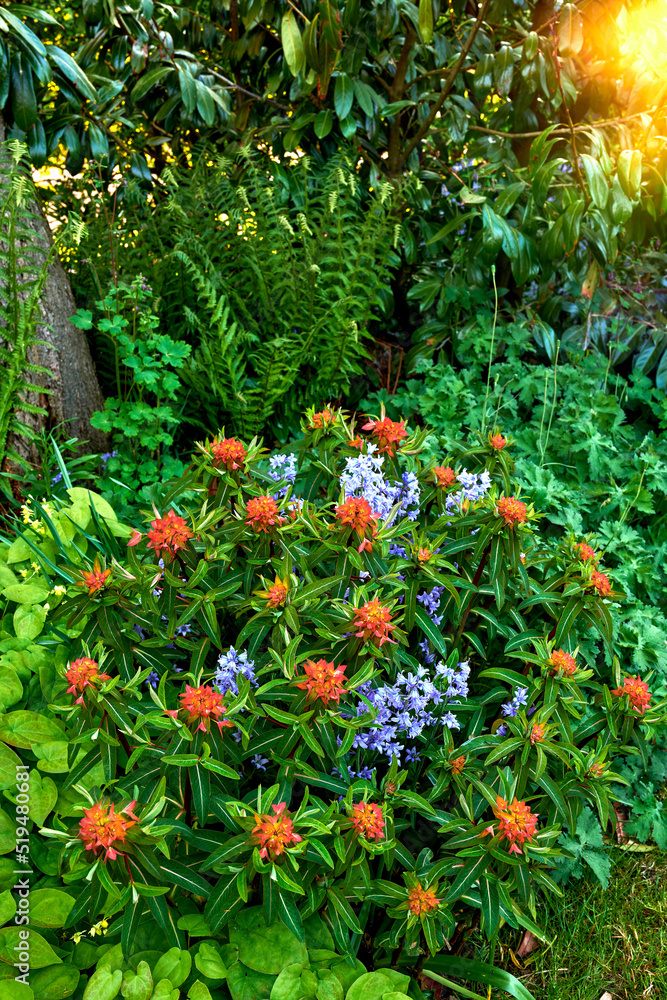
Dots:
pixel 601 583
pixel 322 419
pixel 230 453
pixel 373 619
pixel 276 595
pixel 637 691
pixel 102 829
pixel 82 673
pixel 389 433
pixel 517 822
pixel 356 513
pixel 537 733
pixel 512 510
pixel 585 552
pixel 274 833
pixel 262 513
pixel 95 579
pixel 202 704
pixel 421 901
pixel 423 555
pixel 497 442
pixel 368 821
pixel 323 680
pixel 560 660
pixel 457 764
pixel 444 476
pixel 168 534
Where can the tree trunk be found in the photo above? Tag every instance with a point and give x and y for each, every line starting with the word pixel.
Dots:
pixel 75 392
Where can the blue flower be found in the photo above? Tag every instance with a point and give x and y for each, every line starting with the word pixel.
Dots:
pixel 259 762
pixel 231 666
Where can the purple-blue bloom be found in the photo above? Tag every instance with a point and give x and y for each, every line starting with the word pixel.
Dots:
pixel 231 666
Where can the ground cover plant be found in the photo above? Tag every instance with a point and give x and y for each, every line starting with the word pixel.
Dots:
pixel 333 688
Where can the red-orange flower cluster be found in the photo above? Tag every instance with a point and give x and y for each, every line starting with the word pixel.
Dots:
pixel 457 764
pixel 83 673
pixel 274 832
pixel 357 514
pixel 276 595
pixel 537 733
pixel 601 583
pixel 586 553
pixel 168 534
pixel 444 476
pixel 389 433
pixel 373 619
pixel 637 691
pixel 102 829
pixel 517 823
pixel 262 513
pixel 230 453
pixel 560 660
pixel 512 510
pixel 597 770
pixel 497 442
pixel 95 579
pixel 368 821
pixel 422 901
pixel 323 680
pixel 423 555
pixel 322 419
pixel 201 705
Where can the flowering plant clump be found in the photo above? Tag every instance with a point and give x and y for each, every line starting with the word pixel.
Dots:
pixel 344 685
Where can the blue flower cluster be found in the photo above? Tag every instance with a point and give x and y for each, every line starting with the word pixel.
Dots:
pixel 511 708
pixel 282 467
pixel 363 477
pixel 475 485
pixel 431 601
pixel 406 708
pixel 231 666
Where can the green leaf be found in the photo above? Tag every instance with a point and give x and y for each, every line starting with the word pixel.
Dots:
pixel 29 620
pixel 629 169
pixel 24 102
pixel 50 907
pixel 43 794
pixel 570 35
pixel 209 962
pixel 103 984
pixel 266 949
pixel 323 123
pixel 41 952
pixel 343 96
pixel 25 729
pixel 292 43
pixel 426 20
pixel 430 631
pixel 478 972
pixel 72 71
pixel 597 182
pixel 466 876
pixel 174 965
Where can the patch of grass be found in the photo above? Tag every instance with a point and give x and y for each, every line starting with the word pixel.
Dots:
pixel 613 940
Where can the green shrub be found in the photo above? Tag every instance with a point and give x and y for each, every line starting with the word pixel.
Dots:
pixel 288 695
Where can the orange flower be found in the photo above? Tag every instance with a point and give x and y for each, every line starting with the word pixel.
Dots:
pixel 517 823
pixel 102 829
pixel 274 833
pixel 322 419
pixel 355 443
pixel 637 691
pixel 323 680
pixel 601 583
pixel 262 513
pixel 422 901
pixel 135 538
pixel 168 534
pixel 368 821
pixel 514 511
pixel 389 433
pixel 537 733
pixel 423 555
pixel 596 770
pixel 497 442
pixel 560 660
pixel 276 595
pixel 83 673
pixel 202 704
pixel 373 620
pixel 586 553
pixel 96 579
pixel 444 476
pixel 457 764
pixel 357 514
pixel 230 452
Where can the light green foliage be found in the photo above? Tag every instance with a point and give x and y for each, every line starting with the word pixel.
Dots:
pixel 583 847
pixel 147 363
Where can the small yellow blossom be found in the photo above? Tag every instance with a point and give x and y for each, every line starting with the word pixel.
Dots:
pixel 59 591
pixel 35 566
pixel 23 573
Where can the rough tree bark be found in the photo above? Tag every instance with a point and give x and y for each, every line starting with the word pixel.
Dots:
pixel 75 392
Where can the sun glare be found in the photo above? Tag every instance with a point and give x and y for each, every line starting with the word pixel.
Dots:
pixel 642 39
